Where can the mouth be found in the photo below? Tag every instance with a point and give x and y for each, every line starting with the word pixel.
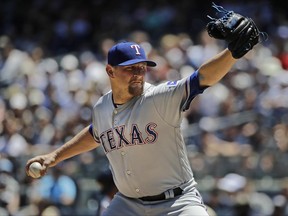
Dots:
pixel 136 82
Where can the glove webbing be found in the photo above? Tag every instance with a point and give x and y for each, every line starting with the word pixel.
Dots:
pixel 263 36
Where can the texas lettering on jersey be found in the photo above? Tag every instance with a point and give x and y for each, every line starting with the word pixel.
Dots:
pixel 115 138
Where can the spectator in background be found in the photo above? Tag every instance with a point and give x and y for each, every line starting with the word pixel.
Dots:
pixel 11 61
pixel 9 188
pixel 12 142
pixel 56 189
pixel 108 190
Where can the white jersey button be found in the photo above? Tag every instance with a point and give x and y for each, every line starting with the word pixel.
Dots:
pixel 137 190
pixel 128 172
pixel 115 111
pixel 123 153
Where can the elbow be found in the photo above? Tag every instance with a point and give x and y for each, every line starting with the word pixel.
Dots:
pixel 205 79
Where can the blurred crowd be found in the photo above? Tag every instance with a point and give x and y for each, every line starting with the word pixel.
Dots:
pixel 52 71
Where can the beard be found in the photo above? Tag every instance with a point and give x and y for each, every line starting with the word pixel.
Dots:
pixel 136 90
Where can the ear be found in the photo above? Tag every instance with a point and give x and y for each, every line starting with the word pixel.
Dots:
pixel 109 70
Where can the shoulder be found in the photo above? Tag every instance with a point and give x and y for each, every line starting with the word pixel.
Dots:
pixel 103 100
pixel 165 86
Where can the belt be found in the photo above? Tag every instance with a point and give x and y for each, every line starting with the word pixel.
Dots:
pixel 165 195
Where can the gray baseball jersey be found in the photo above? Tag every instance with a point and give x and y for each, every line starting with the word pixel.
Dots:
pixel 142 138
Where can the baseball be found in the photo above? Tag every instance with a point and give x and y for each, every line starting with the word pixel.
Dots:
pixel 34 170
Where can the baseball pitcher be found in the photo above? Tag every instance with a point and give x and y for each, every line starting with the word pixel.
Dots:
pixel 138 125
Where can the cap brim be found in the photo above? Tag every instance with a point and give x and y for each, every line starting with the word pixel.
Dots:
pixel 135 61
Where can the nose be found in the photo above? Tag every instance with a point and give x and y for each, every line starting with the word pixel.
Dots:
pixel 139 72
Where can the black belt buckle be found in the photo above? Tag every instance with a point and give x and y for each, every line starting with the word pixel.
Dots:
pixel 177 191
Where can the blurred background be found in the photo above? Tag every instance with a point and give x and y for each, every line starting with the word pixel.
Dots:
pixel 52 71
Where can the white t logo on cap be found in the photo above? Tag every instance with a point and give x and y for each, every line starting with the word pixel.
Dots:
pixel 136 47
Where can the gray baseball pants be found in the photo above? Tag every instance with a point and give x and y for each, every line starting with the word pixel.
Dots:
pixel 188 204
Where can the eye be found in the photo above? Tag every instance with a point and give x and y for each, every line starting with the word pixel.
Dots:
pixel 128 68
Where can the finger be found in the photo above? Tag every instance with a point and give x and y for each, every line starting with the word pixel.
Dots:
pixel 44 170
pixel 29 162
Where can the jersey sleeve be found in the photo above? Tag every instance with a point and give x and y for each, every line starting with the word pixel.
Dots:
pixel 193 88
pixel 94 133
pixel 174 97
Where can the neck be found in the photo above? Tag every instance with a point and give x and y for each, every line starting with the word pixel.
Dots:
pixel 119 98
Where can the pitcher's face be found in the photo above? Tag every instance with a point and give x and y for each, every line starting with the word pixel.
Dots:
pixel 132 76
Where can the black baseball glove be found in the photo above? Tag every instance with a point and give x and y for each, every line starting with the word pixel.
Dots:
pixel 241 33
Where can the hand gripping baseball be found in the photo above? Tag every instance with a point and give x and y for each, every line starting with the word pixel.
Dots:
pixel 241 33
pixel 45 161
